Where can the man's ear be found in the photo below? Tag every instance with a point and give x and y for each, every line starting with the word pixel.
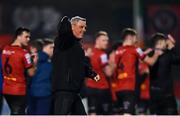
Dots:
pixel 18 37
pixel 72 26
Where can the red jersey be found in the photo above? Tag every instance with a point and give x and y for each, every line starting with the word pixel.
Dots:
pixel 113 90
pixel 126 60
pixel 14 62
pixel 145 86
pixel 98 61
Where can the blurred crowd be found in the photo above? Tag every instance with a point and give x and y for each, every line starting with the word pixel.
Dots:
pixel 134 78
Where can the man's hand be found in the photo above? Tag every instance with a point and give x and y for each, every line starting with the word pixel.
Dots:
pixel 158 52
pixel 171 38
pixel 97 78
pixel 148 51
pixel 34 57
pixel 170 42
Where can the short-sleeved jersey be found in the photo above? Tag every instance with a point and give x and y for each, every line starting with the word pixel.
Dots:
pixel 98 61
pixel 145 86
pixel 14 62
pixel 126 59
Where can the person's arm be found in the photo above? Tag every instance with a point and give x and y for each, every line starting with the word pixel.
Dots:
pixel 144 56
pixel 31 71
pixel 89 72
pixel 151 60
pixel 65 36
pixel 30 62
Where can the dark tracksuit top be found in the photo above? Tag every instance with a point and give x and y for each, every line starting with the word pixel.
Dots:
pixel 69 65
pixel 160 73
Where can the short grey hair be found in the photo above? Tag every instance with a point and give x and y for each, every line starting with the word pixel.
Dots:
pixel 76 19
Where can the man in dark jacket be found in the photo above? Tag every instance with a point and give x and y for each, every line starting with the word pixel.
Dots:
pixel 162 94
pixel 69 67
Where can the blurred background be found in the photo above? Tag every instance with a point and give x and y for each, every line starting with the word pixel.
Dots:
pixel 146 16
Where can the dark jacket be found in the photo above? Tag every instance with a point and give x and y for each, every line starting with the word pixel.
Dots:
pixel 69 64
pixel 160 73
pixel 41 81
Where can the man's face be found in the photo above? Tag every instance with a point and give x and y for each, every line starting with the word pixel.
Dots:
pixel 49 49
pixel 161 44
pixel 103 41
pixel 79 28
pixel 24 38
pixel 134 39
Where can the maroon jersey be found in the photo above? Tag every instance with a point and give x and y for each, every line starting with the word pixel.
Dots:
pixel 145 86
pixel 126 60
pixel 99 61
pixel 14 62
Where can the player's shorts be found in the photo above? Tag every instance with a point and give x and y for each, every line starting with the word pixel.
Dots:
pixel 143 106
pixel 127 101
pixel 116 109
pixel 99 101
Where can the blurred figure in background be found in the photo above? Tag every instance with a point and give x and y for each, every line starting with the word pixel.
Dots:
pixel 143 83
pixel 35 46
pixel 144 88
pixel 40 88
pixel 15 61
pixel 99 97
pixel 113 80
pixel 162 94
pixel 127 57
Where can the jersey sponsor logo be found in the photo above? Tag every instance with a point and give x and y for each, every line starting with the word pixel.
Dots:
pixel 104 58
pixel 122 75
pixel 28 58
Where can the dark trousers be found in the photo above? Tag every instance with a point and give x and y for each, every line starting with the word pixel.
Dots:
pixel 163 104
pixel 39 105
pixel 17 104
pixel 66 103
pixel 126 101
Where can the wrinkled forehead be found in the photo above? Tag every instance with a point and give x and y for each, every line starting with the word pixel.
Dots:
pixel 80 23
